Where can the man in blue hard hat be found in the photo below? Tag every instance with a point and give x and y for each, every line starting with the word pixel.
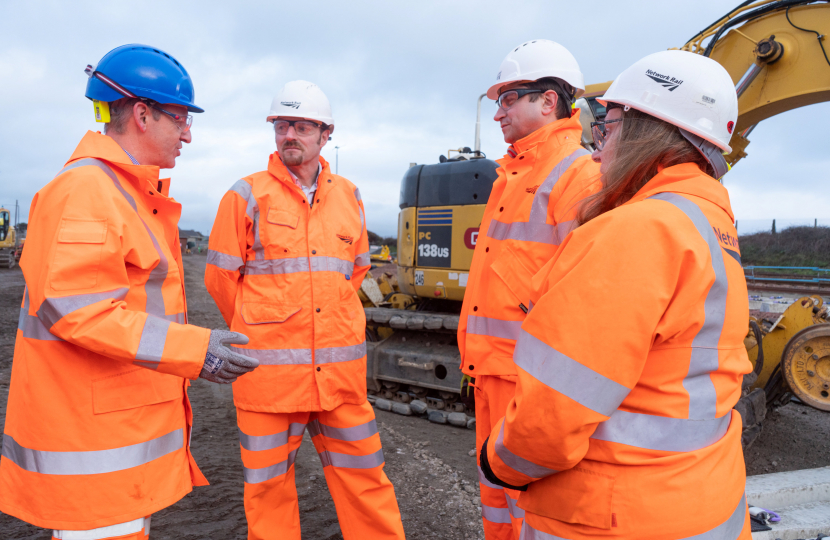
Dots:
pixel 97 432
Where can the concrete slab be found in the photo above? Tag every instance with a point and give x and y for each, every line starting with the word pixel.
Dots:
pixel 801 498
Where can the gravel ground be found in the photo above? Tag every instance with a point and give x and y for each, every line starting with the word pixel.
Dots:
pixel 430 465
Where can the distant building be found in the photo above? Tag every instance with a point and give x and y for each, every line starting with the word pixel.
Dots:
pixel 192 239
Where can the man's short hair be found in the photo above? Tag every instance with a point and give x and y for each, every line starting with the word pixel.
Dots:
pixel 121 111
pixel 565 101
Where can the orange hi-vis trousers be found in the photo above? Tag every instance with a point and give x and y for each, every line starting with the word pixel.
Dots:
pixel 348 444
pixel 500 513
pixel 137 529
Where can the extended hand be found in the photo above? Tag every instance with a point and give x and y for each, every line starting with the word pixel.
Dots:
pixel 222 364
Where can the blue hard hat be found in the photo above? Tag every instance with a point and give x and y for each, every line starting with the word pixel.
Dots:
pixel 144 71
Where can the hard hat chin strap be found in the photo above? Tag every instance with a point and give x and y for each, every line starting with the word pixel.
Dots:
pixel 710 152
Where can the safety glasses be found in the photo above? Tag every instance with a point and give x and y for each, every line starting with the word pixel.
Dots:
pixel 509 98
pixel 183 122
pixel 301 127
pixel 599 133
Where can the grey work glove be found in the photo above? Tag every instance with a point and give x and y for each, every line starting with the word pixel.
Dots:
pixel 222 364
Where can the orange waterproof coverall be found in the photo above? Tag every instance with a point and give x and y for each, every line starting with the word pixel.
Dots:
pixel 530 211
pixel 98 421
pixel 621 429
pixel 286 275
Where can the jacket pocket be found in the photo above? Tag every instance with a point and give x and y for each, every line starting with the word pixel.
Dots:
pixel 281 217
pixel 136 388
pixel 574 496
pixel 77 258
pixel 515 276
pixel 261 313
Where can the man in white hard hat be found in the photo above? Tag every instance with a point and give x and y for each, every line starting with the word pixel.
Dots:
pixel 532 205
pixel 288 252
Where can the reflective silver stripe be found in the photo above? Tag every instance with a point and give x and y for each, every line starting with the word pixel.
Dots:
pixel 567 376
pixel 332 264
pixel 257 443
pixel 355 433
pixel 539 209
pixel 299 264
pixel 231 263
pixel 698 383
pixel 259 250
pixel 661 432
pixel 363 259
pixel 277 357
pixel 519 464
pixel 543 233
pixel 54 309
pixel 348 461
pixel 105 533
pixel 152 287
pixel 94 461
pixel 513 506
pixel 151 345
pixel 176 318
pixel 340 354
pixel 360 209
pixel 494 514
pixel 728 530
pixel 244 190
pixel 255 476
pixel 486 326
pixel 31 326
pixel 483 479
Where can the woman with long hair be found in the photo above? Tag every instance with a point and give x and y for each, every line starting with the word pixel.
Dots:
pixel 632 355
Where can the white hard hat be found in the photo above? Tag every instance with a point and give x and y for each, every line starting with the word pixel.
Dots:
pixel 302 99
pixel 690 91
pixel 536 60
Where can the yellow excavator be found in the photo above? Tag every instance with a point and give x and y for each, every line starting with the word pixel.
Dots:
pixel 776 54
pixel 8 240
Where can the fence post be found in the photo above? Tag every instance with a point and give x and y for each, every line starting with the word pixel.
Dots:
pixel 773 226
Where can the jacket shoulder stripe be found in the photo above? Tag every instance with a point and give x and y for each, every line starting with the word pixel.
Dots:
pixel 539 209
pixel 698 382
pixel 567 376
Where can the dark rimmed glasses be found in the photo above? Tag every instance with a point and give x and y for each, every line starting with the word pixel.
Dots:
pixel 510 97
pixel 599 132
pixel 301 127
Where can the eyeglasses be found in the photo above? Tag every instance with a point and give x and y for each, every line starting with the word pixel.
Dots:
pixel 301 127
pixel 599 132
pixel 509 98
pixel 183 122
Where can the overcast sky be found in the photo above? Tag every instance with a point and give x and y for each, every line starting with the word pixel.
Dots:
pixel 403 79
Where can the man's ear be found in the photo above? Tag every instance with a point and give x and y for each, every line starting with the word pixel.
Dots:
pixel 141 115
pixel 551 99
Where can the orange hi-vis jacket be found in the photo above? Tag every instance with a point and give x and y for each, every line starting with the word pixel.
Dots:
pixel 98 422
pixel 627 430
pixel 531 209
pixel 287 276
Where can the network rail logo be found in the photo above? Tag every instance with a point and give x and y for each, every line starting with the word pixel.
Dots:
pixel 292 104
pixel 667 81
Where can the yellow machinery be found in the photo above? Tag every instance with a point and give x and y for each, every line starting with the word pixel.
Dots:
pixel 380 254
pixel 8 240
pixel 776 54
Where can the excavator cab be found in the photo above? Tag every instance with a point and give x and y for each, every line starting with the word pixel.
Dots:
pixel 4 224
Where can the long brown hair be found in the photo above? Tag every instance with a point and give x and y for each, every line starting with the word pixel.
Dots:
pixel 643 143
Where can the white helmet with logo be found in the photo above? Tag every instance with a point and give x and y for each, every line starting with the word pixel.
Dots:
pixel 536 60
pixel 302 99
pixel 685 89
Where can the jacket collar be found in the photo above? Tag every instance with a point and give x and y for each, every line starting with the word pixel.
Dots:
pixel 278 169
pixel 561 131
pixel 97 145
pixel 686 178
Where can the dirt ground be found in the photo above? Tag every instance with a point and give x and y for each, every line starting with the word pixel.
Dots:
pixel 429 464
